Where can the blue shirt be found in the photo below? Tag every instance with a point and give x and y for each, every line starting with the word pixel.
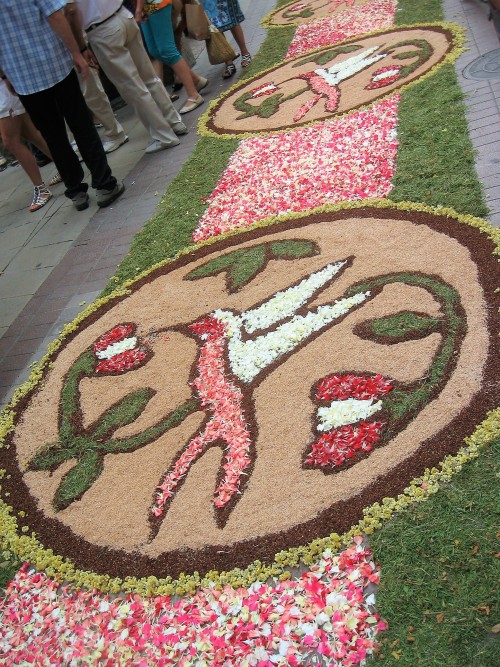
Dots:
pixel 32 56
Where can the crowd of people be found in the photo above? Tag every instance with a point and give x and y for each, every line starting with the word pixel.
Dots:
pixel 50 54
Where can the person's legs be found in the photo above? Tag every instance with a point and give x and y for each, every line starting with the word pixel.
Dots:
pixel 77 115
pixel 31 134
pixel 122 56
pixel 159 36
pixel 49 120
pixel 98 102
pixel 11 129
pixel 239 38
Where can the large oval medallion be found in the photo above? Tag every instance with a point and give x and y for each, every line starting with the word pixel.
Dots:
pixel 259 393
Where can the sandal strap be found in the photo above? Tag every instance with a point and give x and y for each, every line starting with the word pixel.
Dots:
pixel 41 195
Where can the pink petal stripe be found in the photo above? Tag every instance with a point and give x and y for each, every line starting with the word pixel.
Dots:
pixel 349 158
pixel 352 22
pixel 223 399
pixel 322 612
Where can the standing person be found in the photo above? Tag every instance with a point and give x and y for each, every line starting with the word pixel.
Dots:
pixel 37 55
pixel 117 43
pixel 15 125
pixel 155 19
pixel 98 102
pixel 227 15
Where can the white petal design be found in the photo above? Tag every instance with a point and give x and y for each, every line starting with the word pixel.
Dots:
pixel 248 358
pixel 350 411
pixel 117 348
pixel 284 304
pixel 340 71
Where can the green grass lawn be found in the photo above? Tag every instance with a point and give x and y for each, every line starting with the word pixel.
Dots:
pixel 439 561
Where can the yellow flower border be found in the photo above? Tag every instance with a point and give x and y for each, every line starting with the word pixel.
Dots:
pixel 14 535
pixel 459 39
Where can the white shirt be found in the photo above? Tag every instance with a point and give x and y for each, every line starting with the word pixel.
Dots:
pixel 95 11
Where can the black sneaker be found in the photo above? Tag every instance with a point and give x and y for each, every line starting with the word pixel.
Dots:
pixel 107 197
pixel 80 201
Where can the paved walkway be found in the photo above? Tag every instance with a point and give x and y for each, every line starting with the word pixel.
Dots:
pixel 56 261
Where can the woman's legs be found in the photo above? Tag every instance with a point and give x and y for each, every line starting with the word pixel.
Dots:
pixel 159 36
pixel 31 134
pixel 239 38
pixel 11 129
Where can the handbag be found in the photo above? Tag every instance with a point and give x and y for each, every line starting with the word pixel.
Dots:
pixel 197 23
pixel 219 50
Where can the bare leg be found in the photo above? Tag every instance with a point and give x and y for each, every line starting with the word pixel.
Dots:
pixel 11 129
pixel 239 38
pixel 188 78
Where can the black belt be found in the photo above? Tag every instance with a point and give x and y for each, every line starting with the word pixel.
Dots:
pixel 96 25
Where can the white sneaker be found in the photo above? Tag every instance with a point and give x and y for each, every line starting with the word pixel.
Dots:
pixel 112 145
pixel 158 146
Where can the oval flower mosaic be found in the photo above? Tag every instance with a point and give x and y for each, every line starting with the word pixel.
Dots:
pixel 258 393
pixel 332 81
pixel 307 10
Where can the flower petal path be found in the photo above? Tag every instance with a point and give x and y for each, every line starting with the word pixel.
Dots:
pixel 322 613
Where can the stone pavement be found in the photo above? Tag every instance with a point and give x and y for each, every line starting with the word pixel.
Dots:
pixel 56 261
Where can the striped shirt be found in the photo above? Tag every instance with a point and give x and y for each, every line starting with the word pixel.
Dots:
pixel 32 56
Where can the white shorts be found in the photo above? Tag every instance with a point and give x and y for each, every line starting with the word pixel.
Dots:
pixel 10 105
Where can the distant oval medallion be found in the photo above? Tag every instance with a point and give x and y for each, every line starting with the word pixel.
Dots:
pixel 310 10
pixel 333 81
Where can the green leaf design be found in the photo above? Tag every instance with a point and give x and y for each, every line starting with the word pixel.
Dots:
pixel 399 327
pixel 243 265
pixel 124 412
pixel 293 249
pixel 305 14
pixel 267 108
pixel 423 54
pixel 244 270
pixel 50 458
pixel 79 479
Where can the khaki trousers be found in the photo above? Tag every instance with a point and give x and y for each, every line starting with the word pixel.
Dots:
pixel 118 46
pixel 98 103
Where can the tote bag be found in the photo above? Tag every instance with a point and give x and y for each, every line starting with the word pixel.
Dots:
pixel 219 50
pixel 197 23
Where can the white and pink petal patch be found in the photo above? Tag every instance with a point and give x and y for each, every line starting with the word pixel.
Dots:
pixel 328 611
pixel 352 22
pixel 349 158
